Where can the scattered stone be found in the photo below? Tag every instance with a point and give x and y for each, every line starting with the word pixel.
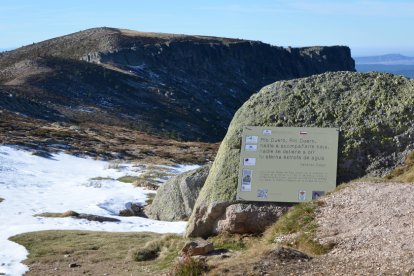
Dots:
pixel 197 247
pixel 42 153
pixel 146 185
pixel 133 210
pixel 288 254
pixel 97 218
pixel 70 213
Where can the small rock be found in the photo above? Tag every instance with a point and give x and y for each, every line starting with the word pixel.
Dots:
pixel 197 247
pixel 72 265
pixel 133 209
pixel 289 254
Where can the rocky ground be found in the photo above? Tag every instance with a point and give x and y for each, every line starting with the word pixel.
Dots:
pixel 103 141
pixel 370 225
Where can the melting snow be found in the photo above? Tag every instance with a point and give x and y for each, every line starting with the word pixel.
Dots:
pixel 31 185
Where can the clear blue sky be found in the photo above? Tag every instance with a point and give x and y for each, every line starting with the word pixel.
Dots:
pixel 368 27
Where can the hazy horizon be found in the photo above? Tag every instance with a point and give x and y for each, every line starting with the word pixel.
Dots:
pixel 368 27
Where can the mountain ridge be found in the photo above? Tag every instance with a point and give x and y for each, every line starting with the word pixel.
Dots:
pixel 171 85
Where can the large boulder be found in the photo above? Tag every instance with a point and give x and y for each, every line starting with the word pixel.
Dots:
pixel 248 218
pixel 374 112
pixel 176 198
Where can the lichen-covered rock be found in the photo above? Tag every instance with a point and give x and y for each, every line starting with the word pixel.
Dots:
pixel 176 198
pixel 374 112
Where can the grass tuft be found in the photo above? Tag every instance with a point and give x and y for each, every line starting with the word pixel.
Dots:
pixel 404 173
pixel 127 179
pixel 231 242
pixel 188 266
pixel 166 245
pixel 101 178
pixel 299 223
pixel 150 198
pixel 58 215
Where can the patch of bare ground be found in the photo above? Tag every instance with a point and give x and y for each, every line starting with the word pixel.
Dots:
pixel 370 225
pixel 101 141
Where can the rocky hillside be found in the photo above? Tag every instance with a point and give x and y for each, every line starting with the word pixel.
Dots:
pixel 178 86
pixel 374 112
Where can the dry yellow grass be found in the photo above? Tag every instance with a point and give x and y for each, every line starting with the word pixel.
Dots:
pixel 404 173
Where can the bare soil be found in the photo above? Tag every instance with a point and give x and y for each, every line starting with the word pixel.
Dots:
pixel 371 225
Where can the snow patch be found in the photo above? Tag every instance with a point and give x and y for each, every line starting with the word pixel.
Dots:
pixel 30 185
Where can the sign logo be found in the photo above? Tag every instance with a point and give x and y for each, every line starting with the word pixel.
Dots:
pixel 249 161
pixel 251 139
pixel 251 147
pixel 302 195
pixel 317 194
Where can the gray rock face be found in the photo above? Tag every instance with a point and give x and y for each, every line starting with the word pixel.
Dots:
pixel 242 218
pixel 176 198
pixel 374 111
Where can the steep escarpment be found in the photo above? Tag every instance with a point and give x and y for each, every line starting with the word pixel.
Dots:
pixel 373 111
pixel 178 86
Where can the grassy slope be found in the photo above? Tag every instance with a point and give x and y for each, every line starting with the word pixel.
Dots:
pixel 96 253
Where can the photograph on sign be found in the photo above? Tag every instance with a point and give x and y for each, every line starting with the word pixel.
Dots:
pixel 247 180
pixel 251 139
pixel 302 195
pixel 262 193
pixel 291 164
pixel 249 161
pixel 251 147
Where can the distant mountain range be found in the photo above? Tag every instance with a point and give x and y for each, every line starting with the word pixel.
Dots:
pixel 389 59
pixel 390 63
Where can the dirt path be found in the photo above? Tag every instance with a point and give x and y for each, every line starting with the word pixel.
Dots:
pixel 372 225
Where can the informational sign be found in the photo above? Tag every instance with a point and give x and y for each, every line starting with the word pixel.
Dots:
pixel 287 164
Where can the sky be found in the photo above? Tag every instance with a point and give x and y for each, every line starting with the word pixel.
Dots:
pixel 369 27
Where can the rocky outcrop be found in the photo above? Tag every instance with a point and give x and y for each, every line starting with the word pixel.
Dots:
pixel 176 198
pixel 374 112
pixel 177 86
